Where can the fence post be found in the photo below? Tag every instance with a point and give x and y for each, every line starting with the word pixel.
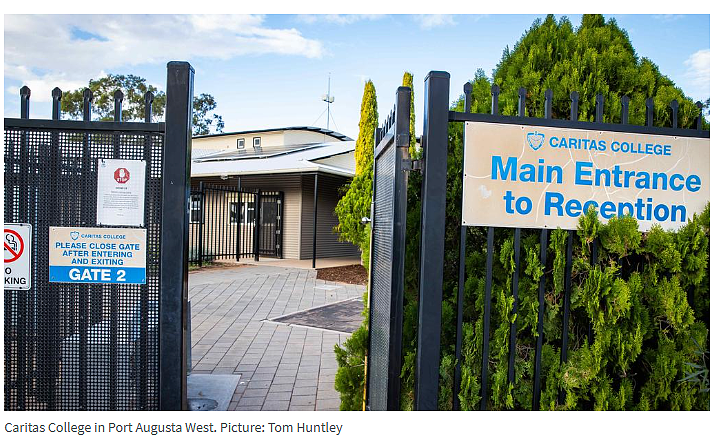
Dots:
pixel 462 269
pixel 201 223
pixel 257 224
pixel 316 202
pixel 238 220
pixel 434 190
pixel 175 178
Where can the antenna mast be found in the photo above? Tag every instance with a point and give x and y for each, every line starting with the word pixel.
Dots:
pixel 329 99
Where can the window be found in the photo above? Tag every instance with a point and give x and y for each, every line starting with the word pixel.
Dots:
pixel 257 142
pixel 194 207
pixel 250 212
pixel 233 208
pixel 246 215
pixel 241 144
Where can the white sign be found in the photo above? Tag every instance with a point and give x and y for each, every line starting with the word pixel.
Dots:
pixel 121 192
pixel 17 240
pixel 542 177
pixel 97 255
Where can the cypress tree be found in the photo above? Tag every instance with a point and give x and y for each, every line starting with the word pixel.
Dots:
pixel 408 80
pixel 356 200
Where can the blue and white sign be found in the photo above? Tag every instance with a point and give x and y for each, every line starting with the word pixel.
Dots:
pixel 541 177
pixel 97 255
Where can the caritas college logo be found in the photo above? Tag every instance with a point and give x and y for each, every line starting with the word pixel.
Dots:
pixel 122 175
pixel 535 140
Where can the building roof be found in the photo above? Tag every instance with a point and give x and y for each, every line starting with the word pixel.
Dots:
pixel 271 160
pixel 314 129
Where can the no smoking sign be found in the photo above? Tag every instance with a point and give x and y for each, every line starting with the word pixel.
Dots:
pixel 17 243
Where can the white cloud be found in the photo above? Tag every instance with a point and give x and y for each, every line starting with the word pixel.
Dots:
pixel 48 50
pixel 429 21
pixel 338 19
pixel 667 18
pixel 698 70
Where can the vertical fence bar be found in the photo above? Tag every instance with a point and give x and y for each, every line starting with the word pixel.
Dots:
pixel 257 224
pixel 537 386
pixel 316 202
pixel 649 111
pixel 699 119
pixel 574 96
pixel 174 236
pixel 488 285
pixel 24 102
pixel 118 105
pixel 521 97
pixel 201 222
pixel 460 286
pixel 566 304
pixel 53 172
pixel 599 108
pixel 143 332
pixel 24 196
pixel 114 290
pixel 92 293
pixel 624 108
pixel 238 220
pixel 434 193
pixel 57 94
pixel 674 113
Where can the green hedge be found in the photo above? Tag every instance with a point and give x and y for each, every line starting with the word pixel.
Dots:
pixel 647 299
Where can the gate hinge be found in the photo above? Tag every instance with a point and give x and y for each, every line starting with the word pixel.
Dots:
pixel 412 165
pixel 402 139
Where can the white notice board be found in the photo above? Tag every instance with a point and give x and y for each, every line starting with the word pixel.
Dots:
pixel 121 192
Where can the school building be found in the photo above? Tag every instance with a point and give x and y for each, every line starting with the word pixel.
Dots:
pixel 301 168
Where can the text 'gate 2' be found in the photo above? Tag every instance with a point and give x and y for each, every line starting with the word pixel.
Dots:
pixel 98 255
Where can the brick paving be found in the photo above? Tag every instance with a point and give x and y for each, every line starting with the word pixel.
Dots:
pixel 281 367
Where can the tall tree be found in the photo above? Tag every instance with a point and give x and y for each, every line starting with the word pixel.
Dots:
pixel 596 58
pixel 134 89
pixel 408 80
pixel 357 198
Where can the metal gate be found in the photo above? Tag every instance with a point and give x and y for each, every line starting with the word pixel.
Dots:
pixel 389 215
pixel 270 223
pixel 385 297
pixel 224 221
pixel 72 346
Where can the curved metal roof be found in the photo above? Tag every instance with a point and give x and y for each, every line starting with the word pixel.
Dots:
pixel 314 129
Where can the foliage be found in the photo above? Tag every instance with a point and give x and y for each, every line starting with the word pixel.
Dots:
pixel 408 80
pixel 356 197
pixel 349 380
pixel 636 315
pixel 134 89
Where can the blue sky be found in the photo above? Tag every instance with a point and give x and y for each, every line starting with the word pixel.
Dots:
pixel 271 71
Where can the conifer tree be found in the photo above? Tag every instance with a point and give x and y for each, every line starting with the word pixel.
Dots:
pixel 356 200
pixel 408 80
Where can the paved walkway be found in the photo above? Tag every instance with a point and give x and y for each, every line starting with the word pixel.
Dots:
pixel 282 367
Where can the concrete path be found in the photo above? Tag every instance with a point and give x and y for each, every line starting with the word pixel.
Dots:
pixel 281 367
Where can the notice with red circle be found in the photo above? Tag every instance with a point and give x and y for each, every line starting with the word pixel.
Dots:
pixel 121 192
pixel 17 245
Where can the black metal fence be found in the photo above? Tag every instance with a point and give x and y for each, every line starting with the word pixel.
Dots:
pixel 224 221
pixel 88 346
pixel 389 214
pixel 434 141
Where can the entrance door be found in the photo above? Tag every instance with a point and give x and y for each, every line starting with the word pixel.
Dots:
pixel 270 231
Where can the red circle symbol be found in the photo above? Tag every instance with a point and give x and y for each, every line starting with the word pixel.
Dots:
pixel 122 175
pixel 16 246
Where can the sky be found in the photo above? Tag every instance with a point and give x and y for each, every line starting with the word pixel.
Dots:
pixel 268 71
